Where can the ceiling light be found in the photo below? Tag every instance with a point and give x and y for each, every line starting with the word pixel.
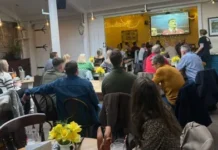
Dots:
pixel 92 16
pixel 18 27
pixel 146 8
pixel 47 23
pixel 1 23
pixel 212 1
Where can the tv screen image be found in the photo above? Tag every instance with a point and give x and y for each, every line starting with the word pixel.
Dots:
pixel 170 24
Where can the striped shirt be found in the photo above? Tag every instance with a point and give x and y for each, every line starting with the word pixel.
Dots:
pixel 6 82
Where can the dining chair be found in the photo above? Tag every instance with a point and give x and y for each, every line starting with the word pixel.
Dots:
pixel 79 111
pixel 45 104
pixel 14 125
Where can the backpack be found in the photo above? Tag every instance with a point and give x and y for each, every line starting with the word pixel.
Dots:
pixel 196 137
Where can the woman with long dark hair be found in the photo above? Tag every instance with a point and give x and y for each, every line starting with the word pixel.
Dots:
pixel 154 126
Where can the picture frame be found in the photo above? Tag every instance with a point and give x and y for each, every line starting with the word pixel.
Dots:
pixel 213 26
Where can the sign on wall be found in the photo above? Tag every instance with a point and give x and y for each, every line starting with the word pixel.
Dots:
pixel 129 36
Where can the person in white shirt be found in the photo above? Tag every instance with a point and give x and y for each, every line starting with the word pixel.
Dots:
pixel 141 53
pixel 6 82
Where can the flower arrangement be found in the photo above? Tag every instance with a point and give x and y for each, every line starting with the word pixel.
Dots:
pixel 175 59
pixel 100 71
pixel 66 134
pixel 91 59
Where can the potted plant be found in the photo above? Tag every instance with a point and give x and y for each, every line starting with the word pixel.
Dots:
pixel 15 50
pixel 101 72
pixel 66 135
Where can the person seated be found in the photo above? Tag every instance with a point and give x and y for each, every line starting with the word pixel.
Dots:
pixel 148 68
pixel 6 82
pixel 48 65
pixel 67 58
pixel 169 78
pixel 190 63
pixel 55 73
pixel 107 65
pixel 83 64
pixel 154 127
pixel 170 50
pixel 67 87
pixel 118 80
pixel 99 58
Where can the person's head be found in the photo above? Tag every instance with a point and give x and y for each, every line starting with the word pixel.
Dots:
pixel 134 43
pixel 66 58
pixel 172 24
pixel 148 104
pixel 156 49
pixel 154 31
pixel 185 49
pixel 143 45
pixel 116 58
pixel 158 61
pixel 71 68
pixel 58 64
pixel 99 53
pixel 127 43
pixel 81 58
pixel 53 55
pixel 203 32
pixel 4 65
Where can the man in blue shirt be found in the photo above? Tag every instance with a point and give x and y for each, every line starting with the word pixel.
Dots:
pixel 49 65
pixel 71 86
pixel 190 63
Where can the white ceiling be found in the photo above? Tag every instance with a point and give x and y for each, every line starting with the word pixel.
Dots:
pixel 31 9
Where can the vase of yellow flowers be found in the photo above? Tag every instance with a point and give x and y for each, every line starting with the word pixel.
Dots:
pixel 175 60
pixel 66 135
pixel 101 73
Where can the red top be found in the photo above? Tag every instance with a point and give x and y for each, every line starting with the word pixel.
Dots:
pixel 148 64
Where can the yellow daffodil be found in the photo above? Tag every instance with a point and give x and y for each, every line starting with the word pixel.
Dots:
pixel 73 126
pixel 100 71
pixel 91 59
pixel 175 59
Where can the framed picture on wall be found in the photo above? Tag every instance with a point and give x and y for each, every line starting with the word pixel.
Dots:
pixel 213 26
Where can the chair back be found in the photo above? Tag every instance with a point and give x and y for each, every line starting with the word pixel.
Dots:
pixel 46 104
pixel 37 80
pixel 15 124
pixel 196 137
pixel 78 111
pixel 116 113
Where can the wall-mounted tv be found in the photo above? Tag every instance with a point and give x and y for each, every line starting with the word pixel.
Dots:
pixel 170 24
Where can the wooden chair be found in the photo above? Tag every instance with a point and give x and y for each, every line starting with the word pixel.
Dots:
pixel 79 112
pixel 10 127
pixel 45 104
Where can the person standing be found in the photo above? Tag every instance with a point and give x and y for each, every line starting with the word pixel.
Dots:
pixel 204 46
pixel 118 80
pixel 170 50
pixel 190 63
pixel 49 65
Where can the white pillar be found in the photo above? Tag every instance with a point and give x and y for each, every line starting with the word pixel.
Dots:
pixel 55 37
pixel 32 49
pixel 86 36
pixel 200 18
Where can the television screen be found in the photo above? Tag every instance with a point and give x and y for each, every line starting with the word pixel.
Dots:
pixel 170 24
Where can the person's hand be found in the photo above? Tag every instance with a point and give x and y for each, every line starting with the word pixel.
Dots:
pixel 25 98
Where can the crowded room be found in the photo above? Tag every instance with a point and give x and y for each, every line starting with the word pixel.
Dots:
pixel 108 75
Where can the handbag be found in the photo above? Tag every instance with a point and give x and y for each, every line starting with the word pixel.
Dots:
pixel 196 137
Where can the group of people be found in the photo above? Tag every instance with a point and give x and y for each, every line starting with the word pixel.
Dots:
pixel 154 124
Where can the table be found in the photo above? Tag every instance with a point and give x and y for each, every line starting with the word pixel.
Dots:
pixel 97 87
pixel 28 83
pixel 87 144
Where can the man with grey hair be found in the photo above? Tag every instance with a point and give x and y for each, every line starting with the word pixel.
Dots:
pixel 170 79
pixel 148 68
pixel 190 63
